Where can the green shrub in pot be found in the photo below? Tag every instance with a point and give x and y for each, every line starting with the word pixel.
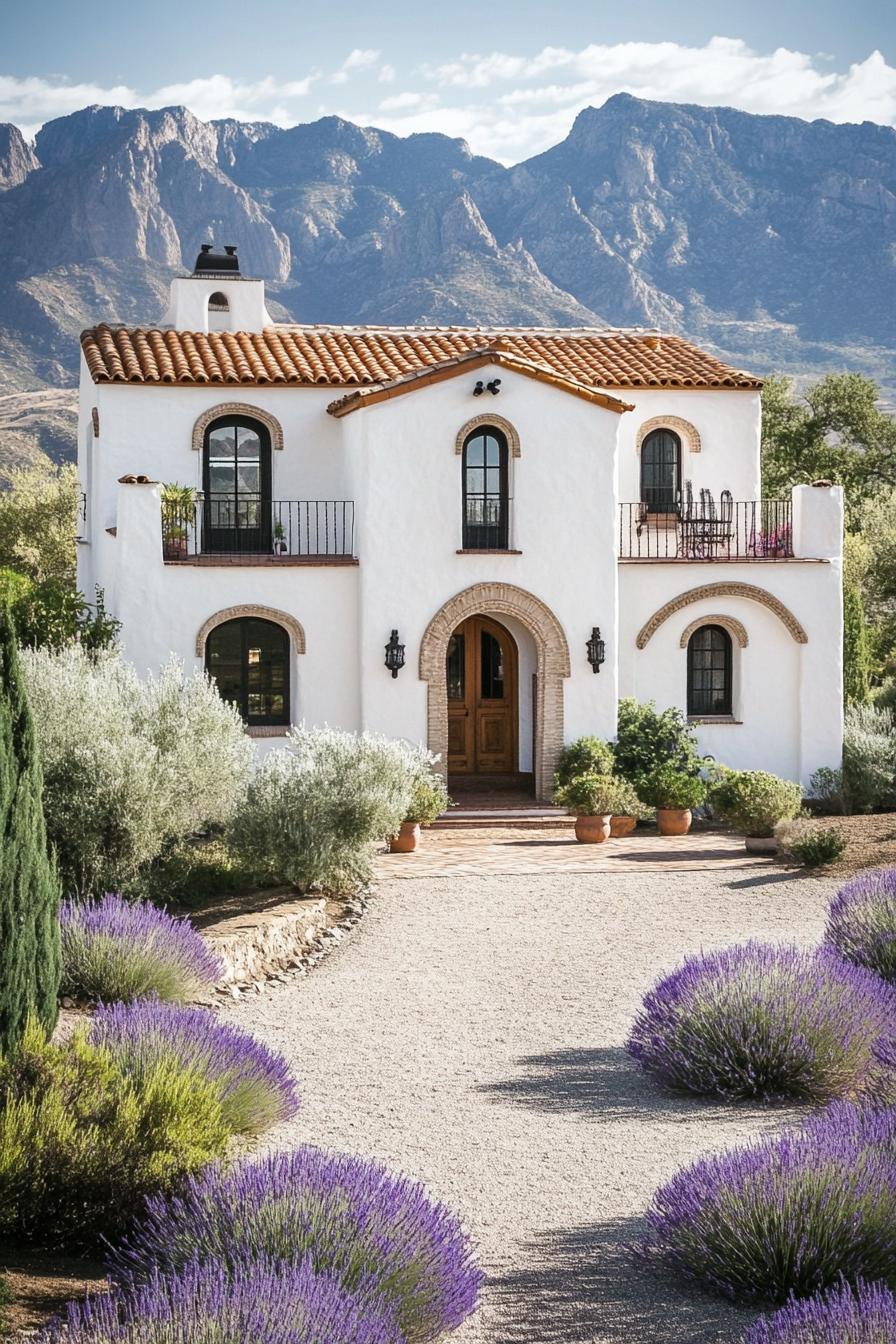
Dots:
pixel 429 798
pixel 753 801
pixel 670 789
pixel 585 756
pixel 594 795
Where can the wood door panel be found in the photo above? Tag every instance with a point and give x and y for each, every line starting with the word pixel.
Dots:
pixel 482 707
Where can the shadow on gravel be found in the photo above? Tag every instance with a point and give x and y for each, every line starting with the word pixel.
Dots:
pixel 603 1084
pixel 767 879
pixel 584 1286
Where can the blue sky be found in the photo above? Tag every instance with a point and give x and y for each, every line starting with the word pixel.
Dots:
pixel 508 76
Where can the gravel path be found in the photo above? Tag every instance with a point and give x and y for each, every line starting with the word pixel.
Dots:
pixel 470 1033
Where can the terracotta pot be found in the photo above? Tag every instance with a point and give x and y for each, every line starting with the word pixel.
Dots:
pixel 405 842
pixel 622 826
pixel 176 548
pixel 592 830
pixel 673 820
pixel 760 844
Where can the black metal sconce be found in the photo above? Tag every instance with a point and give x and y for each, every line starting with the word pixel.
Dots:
pixel 479 388
pixel 597 649
pixel 394 654
pixel 493 386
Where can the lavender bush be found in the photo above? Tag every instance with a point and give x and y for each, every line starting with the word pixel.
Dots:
pixel 253 1084
pixel 863 1315
pixel 763 1021
pixel 786 1216
pixel 349 1215
pixel 862 921
pixel 113 949
pixel 259 1304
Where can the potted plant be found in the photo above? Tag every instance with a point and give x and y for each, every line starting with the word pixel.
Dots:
pixel 753 802
pixel 674 794
pixel 429 800
pixel 178 516
pixel 594 799
pixel 629 811
pixel 279 538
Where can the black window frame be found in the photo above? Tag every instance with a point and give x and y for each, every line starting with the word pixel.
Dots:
pixel 721 659
pixel 486 536
pixel 239 539
pixel 661 498
pixel 244 623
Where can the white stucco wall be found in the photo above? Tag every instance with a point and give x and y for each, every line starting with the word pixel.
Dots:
pixel 728 423
pixel 408 492
pixel 787 696
pixel 396 460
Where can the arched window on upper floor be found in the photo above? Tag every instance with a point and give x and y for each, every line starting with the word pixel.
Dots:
pixel 710 672
pixel 661 471
pixel 249 661
pixel 236 481
pixel 486 500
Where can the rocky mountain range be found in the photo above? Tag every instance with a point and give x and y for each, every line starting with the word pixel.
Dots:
pixel 770 240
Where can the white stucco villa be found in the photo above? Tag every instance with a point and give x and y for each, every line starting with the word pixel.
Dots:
pixel 481 501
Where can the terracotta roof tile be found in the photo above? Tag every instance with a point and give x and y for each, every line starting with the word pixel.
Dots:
pixel 360 357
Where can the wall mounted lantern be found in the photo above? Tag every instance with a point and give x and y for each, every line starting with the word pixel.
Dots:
pixel 597 649
pixel 494 386
pixel 394 654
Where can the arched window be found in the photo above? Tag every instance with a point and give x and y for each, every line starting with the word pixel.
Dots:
pixel 709 672
pixel 218 302
pixel 485 502
pixel 661 471
pixel 249 660
pixel 237 486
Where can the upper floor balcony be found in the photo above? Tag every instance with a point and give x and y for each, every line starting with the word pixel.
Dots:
pixel 248 529
pixel 700 527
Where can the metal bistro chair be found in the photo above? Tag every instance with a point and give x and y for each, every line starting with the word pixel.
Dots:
pixel 707 530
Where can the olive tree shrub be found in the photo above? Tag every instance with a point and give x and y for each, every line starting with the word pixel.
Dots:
pixel 129 765
pixel 315 810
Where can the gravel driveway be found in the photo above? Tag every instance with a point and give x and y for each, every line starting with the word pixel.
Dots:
pixel 470 1033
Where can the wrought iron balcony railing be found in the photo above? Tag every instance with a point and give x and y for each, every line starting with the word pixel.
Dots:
pixel 246 526
pixel 692 529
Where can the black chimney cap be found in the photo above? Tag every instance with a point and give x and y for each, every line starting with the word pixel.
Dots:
pixel 216 263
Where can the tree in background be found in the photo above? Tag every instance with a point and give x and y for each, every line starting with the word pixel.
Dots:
pixel 29 885
pixel 838 431
pixel 38 527
pixel 39 522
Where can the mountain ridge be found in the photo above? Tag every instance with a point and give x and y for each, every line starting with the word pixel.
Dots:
pixel 769 240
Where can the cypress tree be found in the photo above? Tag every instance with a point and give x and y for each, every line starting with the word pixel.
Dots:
pixel 29 884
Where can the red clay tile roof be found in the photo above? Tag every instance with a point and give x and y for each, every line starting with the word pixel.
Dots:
pixel 360 356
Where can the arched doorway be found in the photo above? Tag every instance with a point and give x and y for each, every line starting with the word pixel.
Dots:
pixel 481 677
pixel 552 665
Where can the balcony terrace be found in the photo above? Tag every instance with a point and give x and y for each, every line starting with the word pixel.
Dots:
pixel 210 530
pixel 695 530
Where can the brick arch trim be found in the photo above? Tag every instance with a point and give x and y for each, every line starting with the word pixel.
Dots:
pixel 478 421
pixel 289 623
pixel 746 590
pixel 271 423
pixel 688 433
pixel 552 665
pixel 735 629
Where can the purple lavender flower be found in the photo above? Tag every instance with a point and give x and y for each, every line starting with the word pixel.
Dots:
pixel 254 1084
pixel 862 921
pixel 786 1216
pixel 118 949
pixel 865 1314
pixel 349 1215
pixel 763 1021
pixel 259 1303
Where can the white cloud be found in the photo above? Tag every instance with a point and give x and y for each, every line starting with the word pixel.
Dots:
pixel 507 105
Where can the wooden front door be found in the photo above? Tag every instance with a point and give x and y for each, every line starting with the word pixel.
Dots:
pixel 481 671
